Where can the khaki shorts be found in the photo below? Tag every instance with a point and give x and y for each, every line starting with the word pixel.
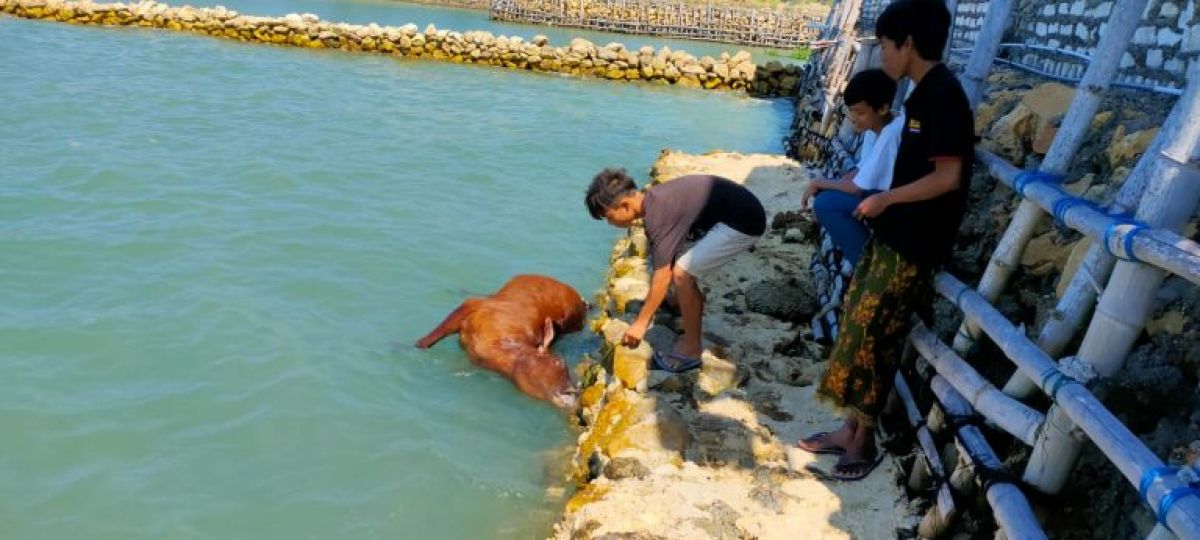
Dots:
pixel 716 248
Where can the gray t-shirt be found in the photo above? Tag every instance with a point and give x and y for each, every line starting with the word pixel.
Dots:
pixel 688 206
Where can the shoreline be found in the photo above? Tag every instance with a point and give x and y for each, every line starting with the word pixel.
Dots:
pixel 710 453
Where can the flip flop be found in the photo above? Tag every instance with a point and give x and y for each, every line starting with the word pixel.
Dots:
pixel 674 362
pixel 816 438
pixel 836 476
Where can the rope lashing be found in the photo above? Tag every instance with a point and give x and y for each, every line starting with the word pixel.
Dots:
pixel 1024 178
pixel 1054 380
pixel 1126 251
pixel 1171 497
pixel 989 477
pixel 1065 204
pixel 958 421
pixel 1169 500
pixel 1150 476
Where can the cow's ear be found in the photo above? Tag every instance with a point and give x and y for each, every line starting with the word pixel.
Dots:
pixel 547 335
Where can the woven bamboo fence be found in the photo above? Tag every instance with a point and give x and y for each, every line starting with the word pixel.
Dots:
pixel 784 28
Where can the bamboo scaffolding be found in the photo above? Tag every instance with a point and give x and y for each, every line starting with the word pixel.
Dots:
pixel 1125 18
pixel 1084 288
pixel 1077 404
pixel 1168 203
pixel 987 45
pixel 1159 247
pixel 1009 506
pixel 777 28
pixel 1008 414
pixel 938 519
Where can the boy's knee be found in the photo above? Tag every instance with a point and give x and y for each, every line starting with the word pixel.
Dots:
pixel 824 201
pixel 680 276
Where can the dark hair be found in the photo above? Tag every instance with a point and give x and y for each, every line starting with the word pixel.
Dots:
pixel 927 22
pixel 607 188
pixel 872 86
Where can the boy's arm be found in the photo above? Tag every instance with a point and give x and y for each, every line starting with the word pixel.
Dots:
pixel 943 179
pixel 821 184
pixel 660 281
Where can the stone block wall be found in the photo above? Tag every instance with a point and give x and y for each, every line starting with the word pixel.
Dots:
pixel 1168 38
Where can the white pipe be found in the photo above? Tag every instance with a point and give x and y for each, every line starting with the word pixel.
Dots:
pixel 1125 18
pixel 985 49
pixel 1010 415
pixel 1009 506
pixel 942 514
pixel 1082 292
pixel 1077 404
pixel 1162 248
pixel 1169 201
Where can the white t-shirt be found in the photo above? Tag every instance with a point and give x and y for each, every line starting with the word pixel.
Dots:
pixel 879 156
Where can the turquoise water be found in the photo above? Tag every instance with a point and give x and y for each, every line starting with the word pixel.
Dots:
pixel 214 257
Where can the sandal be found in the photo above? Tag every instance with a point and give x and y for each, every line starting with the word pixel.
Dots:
pixel 675 362
pixel 812 445
pixel 845 472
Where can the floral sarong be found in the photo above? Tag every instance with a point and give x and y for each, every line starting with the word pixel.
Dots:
pixel 883 296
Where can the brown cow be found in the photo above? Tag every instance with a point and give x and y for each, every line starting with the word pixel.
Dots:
pixel 510 332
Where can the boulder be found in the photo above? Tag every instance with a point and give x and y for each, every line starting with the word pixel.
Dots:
pixel 1009 135
pixel 784 299
pixel 1048 103
pixel 1125 149
pixel 1045 253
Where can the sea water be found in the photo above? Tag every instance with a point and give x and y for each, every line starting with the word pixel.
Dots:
pixel 215 258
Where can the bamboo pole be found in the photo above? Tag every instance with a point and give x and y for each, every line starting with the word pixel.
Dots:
pixel 1159 247
pixel 987 44
pixel 1169 201
pixel 1081 293
pixel 1010 415
pixel 937 521
pixel 952 7
pixel 1009 506
pixel 1077 405
pixel 1125 18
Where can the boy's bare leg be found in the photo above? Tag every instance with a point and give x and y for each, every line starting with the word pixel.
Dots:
pixel 691 304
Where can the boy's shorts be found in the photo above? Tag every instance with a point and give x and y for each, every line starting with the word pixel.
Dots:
pixel 718 246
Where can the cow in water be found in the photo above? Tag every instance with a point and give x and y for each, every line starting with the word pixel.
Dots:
pixel 510 332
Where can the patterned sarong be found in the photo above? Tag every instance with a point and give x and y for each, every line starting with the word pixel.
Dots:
pixel 883 295
pixel 831 273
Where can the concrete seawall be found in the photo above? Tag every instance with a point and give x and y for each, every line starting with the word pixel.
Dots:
pixel 580 58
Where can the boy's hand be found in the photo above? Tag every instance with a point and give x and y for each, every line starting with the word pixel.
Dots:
pixel 809 193
pixel 634 334
pixel 872 206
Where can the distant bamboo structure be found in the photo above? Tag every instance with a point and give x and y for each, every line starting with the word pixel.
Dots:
pixel 782 28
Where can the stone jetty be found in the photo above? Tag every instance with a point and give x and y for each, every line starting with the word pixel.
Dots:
pixel 580 58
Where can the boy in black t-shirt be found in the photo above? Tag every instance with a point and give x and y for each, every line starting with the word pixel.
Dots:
pixel 727 216
pixel 914 225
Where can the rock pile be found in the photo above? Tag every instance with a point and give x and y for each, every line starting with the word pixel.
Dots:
pixel 580 58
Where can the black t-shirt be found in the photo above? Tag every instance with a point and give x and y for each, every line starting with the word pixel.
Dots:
pixel 938 124
pixel 688 206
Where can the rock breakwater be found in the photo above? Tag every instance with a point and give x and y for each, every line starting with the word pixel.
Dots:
pixel 708 454
pixel 580 58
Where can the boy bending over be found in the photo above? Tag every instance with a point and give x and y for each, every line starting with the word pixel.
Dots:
pixel 725 217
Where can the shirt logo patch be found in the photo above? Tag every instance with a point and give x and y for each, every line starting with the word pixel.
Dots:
pixel 914 125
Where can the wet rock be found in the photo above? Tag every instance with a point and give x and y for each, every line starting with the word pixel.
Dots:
pixel 625 467
pixel 784 299
pixel 716 376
